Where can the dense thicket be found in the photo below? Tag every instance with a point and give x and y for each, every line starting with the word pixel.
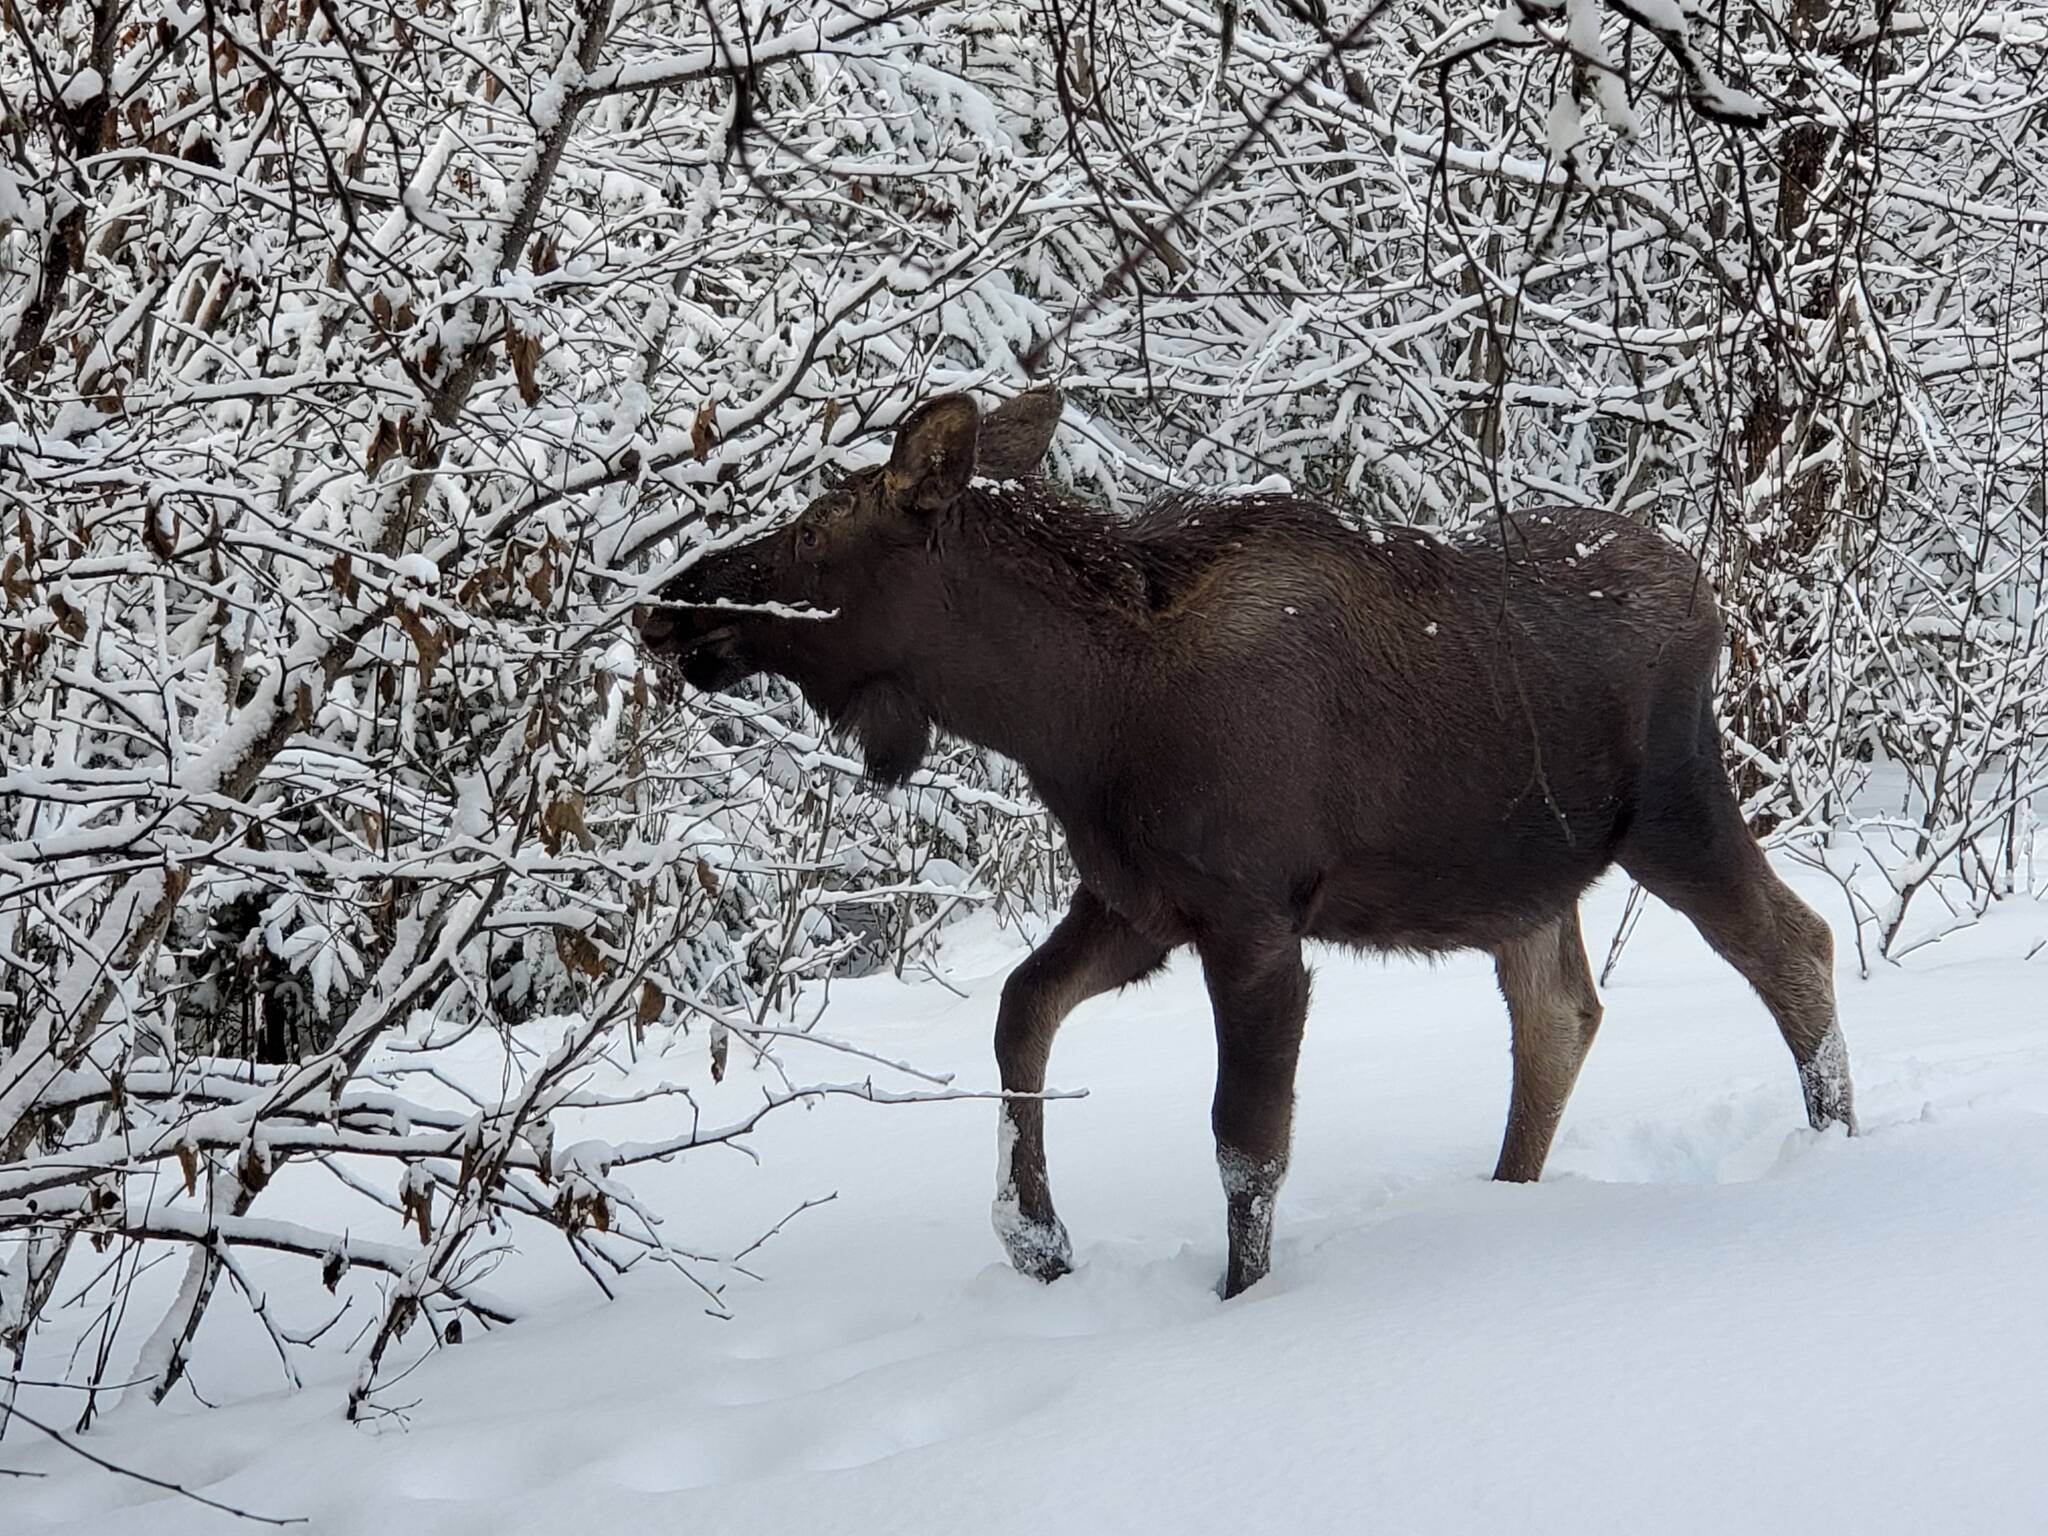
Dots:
pixel 362 366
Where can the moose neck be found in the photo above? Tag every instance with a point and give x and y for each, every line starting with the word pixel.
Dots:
pixel 1041 607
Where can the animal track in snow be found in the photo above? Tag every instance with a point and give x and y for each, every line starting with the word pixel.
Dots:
pixel 865 1418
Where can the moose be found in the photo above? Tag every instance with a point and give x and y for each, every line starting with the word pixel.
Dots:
pixel 1258 726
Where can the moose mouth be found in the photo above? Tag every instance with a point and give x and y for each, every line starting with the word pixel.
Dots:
pixel 709 657
pixel 712 663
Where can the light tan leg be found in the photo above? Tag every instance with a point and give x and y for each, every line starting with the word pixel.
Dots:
pixel 1555 1012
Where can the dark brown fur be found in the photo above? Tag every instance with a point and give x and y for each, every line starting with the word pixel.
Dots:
pixel 1258 726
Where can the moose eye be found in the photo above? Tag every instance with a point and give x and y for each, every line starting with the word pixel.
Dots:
pixel 808 537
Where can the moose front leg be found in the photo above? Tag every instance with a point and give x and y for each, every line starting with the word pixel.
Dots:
pixel 1260 993
pixel 1091 951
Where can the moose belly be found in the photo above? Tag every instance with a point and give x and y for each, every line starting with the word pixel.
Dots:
pixel 1398 901
pixel 1175 869
pixel 1441 874
pixel 1320 828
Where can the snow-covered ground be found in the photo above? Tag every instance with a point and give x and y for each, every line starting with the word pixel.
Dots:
pixel 1705 1318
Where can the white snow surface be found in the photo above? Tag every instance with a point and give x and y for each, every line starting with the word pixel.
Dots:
pixel 419 570
pixel 83 86
pixel 1705 1318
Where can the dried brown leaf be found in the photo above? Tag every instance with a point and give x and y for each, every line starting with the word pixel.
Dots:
pixel 162 542
pixel 578 953
pixel 382 445
pixel 69 619
pixel 430 642
pixel 563 819
pixel 255 1172
pixel 524 353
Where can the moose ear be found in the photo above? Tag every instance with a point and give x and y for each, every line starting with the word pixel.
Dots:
pixel 933 458
pixel 1017 433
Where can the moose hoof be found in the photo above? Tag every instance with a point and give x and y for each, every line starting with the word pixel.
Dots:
pixel 1039 1249
pixel 1824 1082
pixel 1822 1114
pixel 1236 1283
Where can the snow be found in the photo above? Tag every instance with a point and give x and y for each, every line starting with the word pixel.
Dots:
pixel 1662 15
pixel 1706 1318
pixel 14 208
pixel 1564 129
pixel 419 570
pixel 1583 31
pixel 471 816
pixel 83 87
pixel 1510 25
pixel 1722 101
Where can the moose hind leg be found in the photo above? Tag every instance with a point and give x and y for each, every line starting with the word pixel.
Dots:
pixel 1260 994
pixel 1091 951
pixel 1555 1012
pixel 1693 851
pixel 1785 950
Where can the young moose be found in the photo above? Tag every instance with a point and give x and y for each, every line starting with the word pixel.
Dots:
pixel 1259 727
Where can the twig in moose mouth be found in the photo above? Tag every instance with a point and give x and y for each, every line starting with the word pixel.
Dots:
pixel 727 605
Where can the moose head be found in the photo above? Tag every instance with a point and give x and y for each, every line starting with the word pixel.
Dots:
pixel 843 600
